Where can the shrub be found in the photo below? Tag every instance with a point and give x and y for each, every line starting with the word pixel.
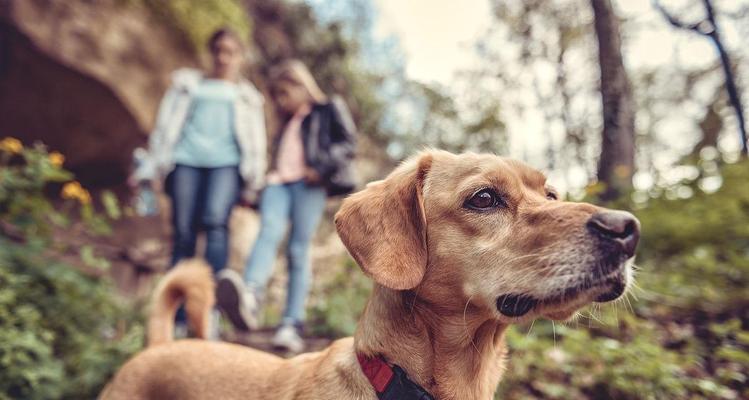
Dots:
pixel 62 332
pixel 697 249
pixel 562 362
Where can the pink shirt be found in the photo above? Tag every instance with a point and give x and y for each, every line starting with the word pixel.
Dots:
pixel 290 164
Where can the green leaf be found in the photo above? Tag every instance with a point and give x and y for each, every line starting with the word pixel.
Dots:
pixel 91 260
pixel 111 204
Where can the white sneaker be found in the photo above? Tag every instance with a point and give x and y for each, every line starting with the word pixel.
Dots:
pixel 287 337
pixel 240 305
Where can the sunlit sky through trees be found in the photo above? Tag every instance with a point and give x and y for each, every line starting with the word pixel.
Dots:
pixel 438 42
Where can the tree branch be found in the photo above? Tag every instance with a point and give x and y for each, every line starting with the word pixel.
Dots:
pixel 675 22
pixel 730 82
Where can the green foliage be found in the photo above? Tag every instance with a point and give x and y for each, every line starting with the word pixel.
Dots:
pixel 29 367
pixel 24 176
pixel 699 247
pixel 341 303
pixel 562 362
pixel 198 19
pixel 627 358
pixel 62 333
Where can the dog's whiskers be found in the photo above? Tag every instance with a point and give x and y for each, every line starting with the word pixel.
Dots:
pixel 554 332
pixel 629 303
pixel 635 287
pixel 595 309
pixel 530 328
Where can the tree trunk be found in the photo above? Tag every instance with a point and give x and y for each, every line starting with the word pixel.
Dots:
pixel 733 92
pixel 616 165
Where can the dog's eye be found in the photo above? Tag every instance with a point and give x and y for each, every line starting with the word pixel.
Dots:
pixel 552 196
pixel 484 199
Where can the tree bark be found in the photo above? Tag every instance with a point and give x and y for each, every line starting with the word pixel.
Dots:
pixel 616 165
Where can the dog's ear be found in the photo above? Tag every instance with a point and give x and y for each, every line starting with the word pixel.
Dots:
pixel 384 226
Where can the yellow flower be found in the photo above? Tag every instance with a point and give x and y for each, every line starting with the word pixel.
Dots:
pixel 74 190
pixel 85 198
pixel 56 159
pixel 71 190
pixel 11 145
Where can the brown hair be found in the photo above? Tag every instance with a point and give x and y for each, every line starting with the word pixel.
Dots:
pixel 220 33
pixel 296 73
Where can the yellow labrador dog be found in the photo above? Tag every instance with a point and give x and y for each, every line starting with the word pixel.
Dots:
pixel 460 247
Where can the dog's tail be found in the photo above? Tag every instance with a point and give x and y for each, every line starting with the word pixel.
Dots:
pixel 189 282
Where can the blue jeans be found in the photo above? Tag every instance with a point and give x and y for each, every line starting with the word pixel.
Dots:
pixel 202 199
pixel 302 205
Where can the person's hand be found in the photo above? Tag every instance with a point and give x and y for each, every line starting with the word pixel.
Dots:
pixel 311 176
pixel 248 204
pixel 250 199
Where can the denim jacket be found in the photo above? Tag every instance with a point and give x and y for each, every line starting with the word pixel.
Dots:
pixel 249 130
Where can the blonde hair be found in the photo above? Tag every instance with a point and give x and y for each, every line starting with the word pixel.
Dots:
pixel 296 73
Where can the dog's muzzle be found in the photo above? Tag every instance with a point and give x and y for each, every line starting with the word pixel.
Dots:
pixel 616 234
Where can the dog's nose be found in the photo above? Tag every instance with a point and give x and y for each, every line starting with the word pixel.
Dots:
pixel 617 226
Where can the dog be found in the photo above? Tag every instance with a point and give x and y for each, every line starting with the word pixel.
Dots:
pixel 459 248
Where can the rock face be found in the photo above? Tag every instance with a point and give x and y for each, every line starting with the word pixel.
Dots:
pixel 85 77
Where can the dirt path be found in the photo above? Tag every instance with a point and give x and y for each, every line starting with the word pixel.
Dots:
pixel 261 340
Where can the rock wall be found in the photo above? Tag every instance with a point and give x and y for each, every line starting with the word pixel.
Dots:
pixel 84 77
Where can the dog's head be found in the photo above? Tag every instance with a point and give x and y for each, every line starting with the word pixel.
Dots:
pixel 489 231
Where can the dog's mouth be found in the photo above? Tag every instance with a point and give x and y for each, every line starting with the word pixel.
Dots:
pixel 517 305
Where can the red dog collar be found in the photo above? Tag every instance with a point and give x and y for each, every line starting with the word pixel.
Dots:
pixel 390 383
